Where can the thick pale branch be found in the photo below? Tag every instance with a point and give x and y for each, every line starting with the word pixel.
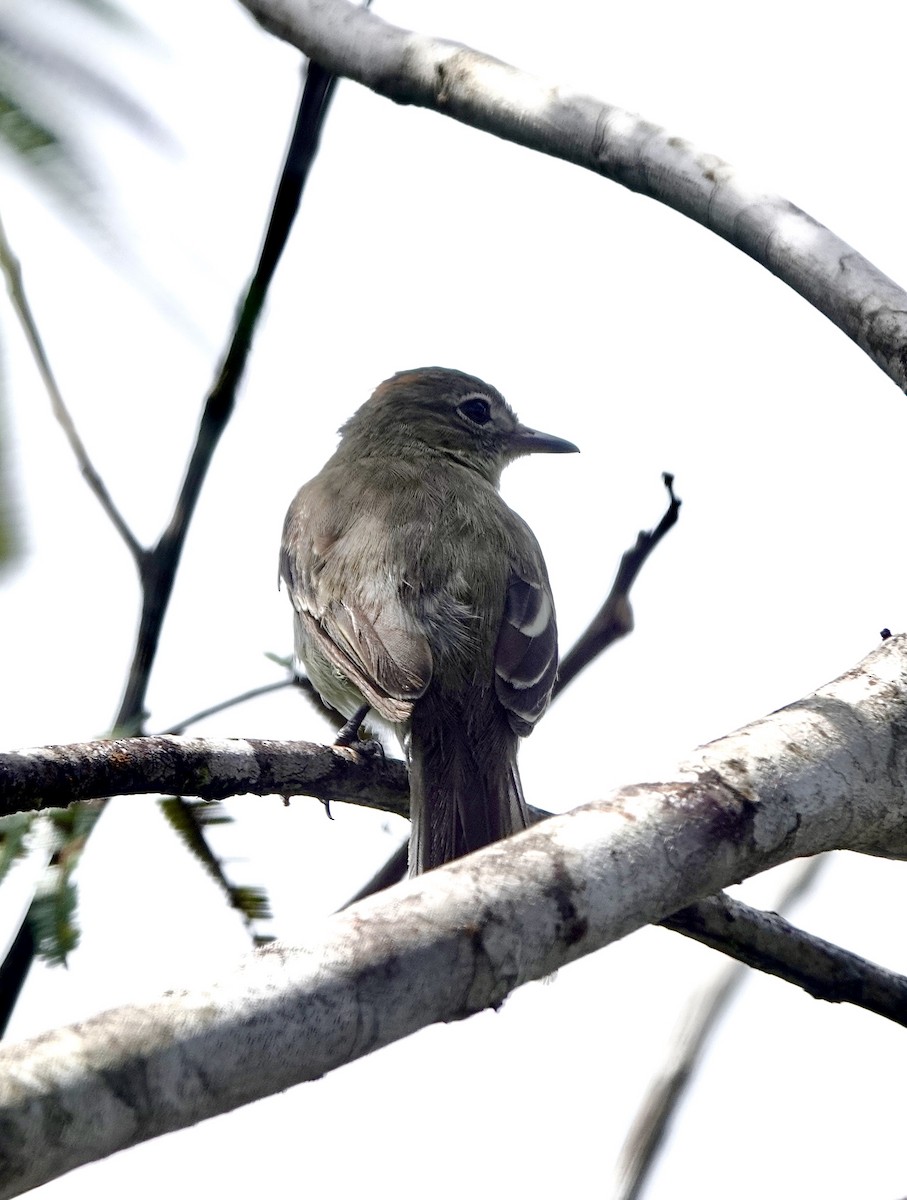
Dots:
pixel 826 772
pixel 483 92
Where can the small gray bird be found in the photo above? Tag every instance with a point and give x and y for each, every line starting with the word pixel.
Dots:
pixel 419 595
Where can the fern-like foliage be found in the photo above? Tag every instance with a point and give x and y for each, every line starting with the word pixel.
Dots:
pixel 190 818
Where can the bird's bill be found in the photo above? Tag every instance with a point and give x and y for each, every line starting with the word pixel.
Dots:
pixel 533 441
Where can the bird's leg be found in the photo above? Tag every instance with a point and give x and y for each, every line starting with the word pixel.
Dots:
pixel 353 737
pixel 348 737
pixel 350 731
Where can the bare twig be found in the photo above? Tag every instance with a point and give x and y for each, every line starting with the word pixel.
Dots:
pixel 252 694
pixel 15 286
pixel 615 617
pixel 308 689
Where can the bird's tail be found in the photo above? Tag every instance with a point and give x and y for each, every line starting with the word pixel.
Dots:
pixel 464 784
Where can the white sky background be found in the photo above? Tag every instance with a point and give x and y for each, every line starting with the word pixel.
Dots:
pixel 604 318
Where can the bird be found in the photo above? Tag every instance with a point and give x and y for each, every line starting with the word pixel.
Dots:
pixel 422 601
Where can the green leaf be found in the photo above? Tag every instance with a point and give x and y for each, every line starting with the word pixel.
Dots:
pixel 14 829
pixel 52 917
pixel 190 818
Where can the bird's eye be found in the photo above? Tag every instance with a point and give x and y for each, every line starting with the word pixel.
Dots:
pixel 476 409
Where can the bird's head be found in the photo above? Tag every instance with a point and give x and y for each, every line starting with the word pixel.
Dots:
pixel 451 413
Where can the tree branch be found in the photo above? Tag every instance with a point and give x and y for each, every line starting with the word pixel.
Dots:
pixel 770 943
pixel 491 95
pixel 827 772
pixel 56 776
pixel 158 566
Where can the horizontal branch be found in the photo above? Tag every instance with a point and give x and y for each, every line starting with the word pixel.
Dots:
pixel 488 94
pixel 827 772
pixel 212 769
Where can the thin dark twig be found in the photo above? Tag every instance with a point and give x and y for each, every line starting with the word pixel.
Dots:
pixel 648 1133
pixel 161 566
pixel 615 617
pixel 300 682
pixel 251 694
pixel 12 269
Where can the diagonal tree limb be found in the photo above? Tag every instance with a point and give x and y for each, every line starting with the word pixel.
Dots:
pixel 386 876
pixel 13 969
pixel 487 94
pixel 811 764
pixel 825 773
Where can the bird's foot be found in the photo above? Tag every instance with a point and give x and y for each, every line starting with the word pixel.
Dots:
pixel 349 733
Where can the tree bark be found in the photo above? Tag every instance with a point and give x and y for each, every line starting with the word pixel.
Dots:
pixel 827 772
pixel 481 91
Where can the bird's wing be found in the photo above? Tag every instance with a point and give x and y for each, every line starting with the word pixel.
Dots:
pixel 526 652
pixel 367 635
pixel 389 663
